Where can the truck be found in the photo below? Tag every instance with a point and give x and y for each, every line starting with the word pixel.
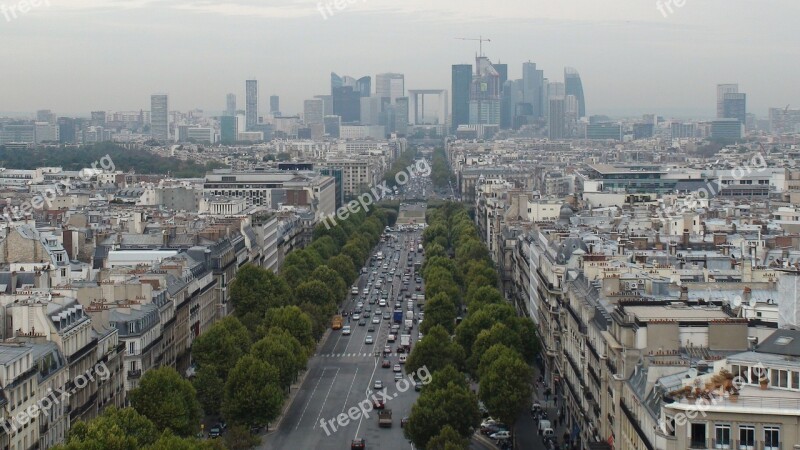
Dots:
pixel 409 314
pixel 409 307
pixel 419 247
pixel 421 301
pixel 337 322
pixel 398 317
pixel 409 324
pixel 417 267
pixel 405 342
pixel 385 418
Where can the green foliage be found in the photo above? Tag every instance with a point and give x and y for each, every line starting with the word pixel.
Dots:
pixel 115 429
pixel 491 355
pixel 440 310
pixel 400 164
pixel 506 387
pixel 168 400
pixel 83 157
pixel 278 348
pixel 239 438
pixel 448 439
pixel 316 292
pixel 222 345
pixel 475 322
pixel 293 320
pixel 345 267
pixel 209 389
pixel 454 406
pixel 253 394
pixel 435 351
pixel 254 290
pixel 441 175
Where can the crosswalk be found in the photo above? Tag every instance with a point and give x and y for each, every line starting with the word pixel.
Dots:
pixel 358 355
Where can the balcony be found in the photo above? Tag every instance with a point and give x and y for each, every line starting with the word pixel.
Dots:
pixel 133 374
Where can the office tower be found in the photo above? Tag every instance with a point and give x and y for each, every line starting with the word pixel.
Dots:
pixel 643 130
pixel 533 92
pixel 230 105
pixel 682 130
pixel 502 69
pixel 574 86
pixel 313 111
pixel 734 106
pixel 461 82
pixel 401 108
pixel 98 119
pixel 513 113
pixel 556 120
pixel 228 129
pixel 45 115
pixel 485 94
pixel 391 85
pixel 556 90
pixel 327 104
pixel 159 117
pixel 66 130
pixel 723 89
pixel 347 104
pixel 726 129
pixel 275 105
pixel 784 120
pixel 371 109
pixel 251 104
pixel 364 86
pixel 333 125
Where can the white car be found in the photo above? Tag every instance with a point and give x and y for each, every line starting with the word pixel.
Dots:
pixel 378 385
pixel 376 319
pixel 402 359
pixel 356 316
pixel 500 435
pixel 346 330
pixel 368 340
pixel 382 302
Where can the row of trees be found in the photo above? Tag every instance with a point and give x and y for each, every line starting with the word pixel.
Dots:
pixel 400 164
pixel 491 344
pixel 441 175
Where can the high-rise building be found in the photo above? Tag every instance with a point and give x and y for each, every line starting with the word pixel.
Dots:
pixel 333 125
pixel 401 109
pixel 67 130
pixel 502 69
pixel 230 105
pixel 274 105
pixel 723 89
pixel 228 129
pixel 98 118
pixel 680 130
pixel 327 104
pixel 372 109
pixel 347 104
pixel 512 99
pixel 391 85
pixel 556 122
pixel 604 131
pixel 726 129
pixel 784 120
pixel 533 91
pixel 45 115
pixel 461 82
pixel 734 106
pixel 159 117
pixel 251 104
pixel 313 111
pixel 574 86
pixel 485 94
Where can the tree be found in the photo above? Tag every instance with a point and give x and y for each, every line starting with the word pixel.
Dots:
pixel 446 376
pixel 293 320
pixel 491 355
pixel 315 292
pixel 240 438
pixel 497 334
pixel 435 351
pixel 280 354
pixel 209 389
pixel 476 321
pixel 345 267
pixel 483 296
pixel 253 395
pixel 115 429
pixel 448 439
pixel 505 388
pixel 222 345
pixel 168 400
pixel 168 441
pixel 440 310
pixel 455 406
pixel 256 289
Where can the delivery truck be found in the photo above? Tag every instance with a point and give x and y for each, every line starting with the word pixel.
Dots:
pixel 337 322
pixel 398 317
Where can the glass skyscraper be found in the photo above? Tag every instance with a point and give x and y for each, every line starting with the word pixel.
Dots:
pixel 251 104
pixel 574 86
pixel 462 80
pixel 159 117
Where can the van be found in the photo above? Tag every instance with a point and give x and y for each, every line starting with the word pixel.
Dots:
pixel 548 433
pixel 544 425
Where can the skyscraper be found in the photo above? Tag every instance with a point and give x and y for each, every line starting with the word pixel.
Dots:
pixel 734 106
pixel 502 69
pixel 574 86
pixel 390 85
pixel 313 111
pixel 512 99
pixel 327 104
pixel 462 79
pixel 228 129
pixel 159 117
pixel 532 88
pixel 251 105
pixel 723 89
pixel 347 92
pixel 230 105
pixel 485 94
pixel 556 120
pixel 274 104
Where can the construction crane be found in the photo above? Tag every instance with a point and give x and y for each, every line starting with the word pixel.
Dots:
pixel 480 39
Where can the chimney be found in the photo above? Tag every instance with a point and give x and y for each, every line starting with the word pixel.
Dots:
pixel 684 294
pixel 747 295
pixel 13 282
pixel 685 238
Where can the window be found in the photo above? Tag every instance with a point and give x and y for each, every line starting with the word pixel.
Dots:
pixel 779 378
pixel 698 439
pixel 772 438
pixel 747 437
pixel 795 380
pixel 722 436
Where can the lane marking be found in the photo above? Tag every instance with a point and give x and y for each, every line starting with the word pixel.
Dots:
pixel 299 421
pixel 355 375
pixel 366 392
pixel 326 399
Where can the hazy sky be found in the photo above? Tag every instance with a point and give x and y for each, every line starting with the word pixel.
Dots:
pixel 74 56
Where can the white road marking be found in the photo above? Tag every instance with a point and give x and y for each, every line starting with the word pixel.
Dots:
pixel 309 400
pixel 326 398
pixel 350 390
pixel 367 392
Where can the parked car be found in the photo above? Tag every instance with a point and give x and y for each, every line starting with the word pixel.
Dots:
pixel 500 435
pixel 214 433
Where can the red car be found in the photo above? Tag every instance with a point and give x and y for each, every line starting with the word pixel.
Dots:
pixel 386 364
pixel 358 444
pixel 378 404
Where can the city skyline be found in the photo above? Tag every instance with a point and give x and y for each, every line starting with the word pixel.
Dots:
pixel 641 72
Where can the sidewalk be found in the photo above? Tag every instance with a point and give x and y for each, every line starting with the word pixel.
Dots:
pixel 551 405
pixel 294 389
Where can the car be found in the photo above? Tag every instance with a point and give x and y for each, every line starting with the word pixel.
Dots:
pixel 391 338
pixel 358 444
pixel 401 349
pixel 402 359
pixel 346 330
pixel 418 386
pixel 421 335
pixel 365 291
pixel 371 328
pixel 365 315
pixel 387 350
pixel 387 316
pixel 372 301
pixel 214 433
pixel 493 428
pixel 500 435
pixel 362 322
pixel 376 319
pixel 418 288
pixel 386 364
pixel 356 316
pixel 382 302
pixel 397 368
pixel 398 376
pixel 368 340
pixel 368 308
pixel 378 385
pixel 378 404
